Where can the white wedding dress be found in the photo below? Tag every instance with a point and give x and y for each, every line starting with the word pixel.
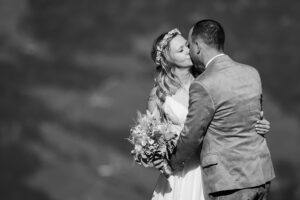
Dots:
pixel 186 184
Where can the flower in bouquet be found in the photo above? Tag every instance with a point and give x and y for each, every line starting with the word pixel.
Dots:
pixel 152 139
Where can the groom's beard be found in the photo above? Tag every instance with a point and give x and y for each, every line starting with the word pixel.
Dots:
pixel 197 62
pixel 199 67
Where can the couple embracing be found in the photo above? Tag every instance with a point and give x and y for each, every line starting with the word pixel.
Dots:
pixel 221 152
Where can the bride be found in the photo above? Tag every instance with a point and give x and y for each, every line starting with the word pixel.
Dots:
pixel 169 99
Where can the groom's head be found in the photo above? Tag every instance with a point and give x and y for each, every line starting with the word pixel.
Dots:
pixel 205 36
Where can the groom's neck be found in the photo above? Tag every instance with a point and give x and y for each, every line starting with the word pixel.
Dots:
pixel 210 53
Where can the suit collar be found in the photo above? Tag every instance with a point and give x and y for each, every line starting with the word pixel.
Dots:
pixel 213 58
pixel 218 60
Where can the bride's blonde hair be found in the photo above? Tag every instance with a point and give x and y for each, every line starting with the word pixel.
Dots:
pixel 166 82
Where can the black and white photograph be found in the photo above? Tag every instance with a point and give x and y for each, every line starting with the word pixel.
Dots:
pixel 149 100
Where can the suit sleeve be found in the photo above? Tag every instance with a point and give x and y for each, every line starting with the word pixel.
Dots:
pixel 201 112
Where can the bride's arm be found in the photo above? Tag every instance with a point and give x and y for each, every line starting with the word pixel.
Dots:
pixel 152 103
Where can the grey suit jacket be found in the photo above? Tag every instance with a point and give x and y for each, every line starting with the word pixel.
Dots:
pixel 223 109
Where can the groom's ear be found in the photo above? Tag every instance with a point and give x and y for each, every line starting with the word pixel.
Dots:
pixel 198 47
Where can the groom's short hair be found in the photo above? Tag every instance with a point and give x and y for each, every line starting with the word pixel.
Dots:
pixel 211 32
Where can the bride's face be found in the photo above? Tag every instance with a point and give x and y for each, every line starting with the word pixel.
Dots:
pixel 179 52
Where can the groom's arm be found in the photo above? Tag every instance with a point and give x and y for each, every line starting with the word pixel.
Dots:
pixel 201 112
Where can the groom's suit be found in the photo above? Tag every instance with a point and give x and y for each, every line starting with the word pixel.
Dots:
pixel 223 109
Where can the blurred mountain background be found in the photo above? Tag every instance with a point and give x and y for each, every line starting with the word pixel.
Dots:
pixel 74 73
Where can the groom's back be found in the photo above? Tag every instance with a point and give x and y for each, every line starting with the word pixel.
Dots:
pixel 236 93
pixel 233 154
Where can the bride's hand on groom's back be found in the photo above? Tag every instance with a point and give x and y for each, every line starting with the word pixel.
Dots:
pixel 262 126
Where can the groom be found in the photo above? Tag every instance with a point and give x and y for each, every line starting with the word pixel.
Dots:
pixel 224 106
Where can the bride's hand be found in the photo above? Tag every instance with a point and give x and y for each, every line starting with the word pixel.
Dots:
pixel 163 167
pixel 262 126
pixel 158 163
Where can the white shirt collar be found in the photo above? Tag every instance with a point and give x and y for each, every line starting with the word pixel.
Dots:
pixel 221 54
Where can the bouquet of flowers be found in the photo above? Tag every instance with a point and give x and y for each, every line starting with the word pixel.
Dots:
pixel 152 139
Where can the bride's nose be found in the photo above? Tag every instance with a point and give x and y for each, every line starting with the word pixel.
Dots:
pixel 187 51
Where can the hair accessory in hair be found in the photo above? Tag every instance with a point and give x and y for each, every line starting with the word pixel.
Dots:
pixel 163 43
